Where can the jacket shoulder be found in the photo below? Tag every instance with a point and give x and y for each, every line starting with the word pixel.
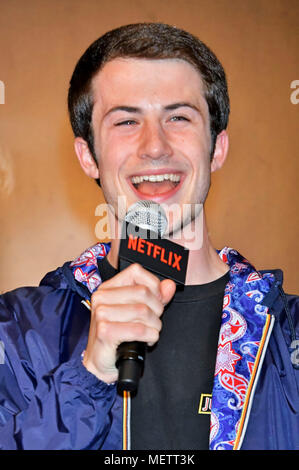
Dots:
pixel 40 326
pixel 31 304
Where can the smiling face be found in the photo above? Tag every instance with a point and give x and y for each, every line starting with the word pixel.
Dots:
pixel 151 133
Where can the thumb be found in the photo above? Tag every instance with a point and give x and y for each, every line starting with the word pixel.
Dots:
pixel 167 288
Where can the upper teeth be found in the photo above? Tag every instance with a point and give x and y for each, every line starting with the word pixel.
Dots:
pixel 155 178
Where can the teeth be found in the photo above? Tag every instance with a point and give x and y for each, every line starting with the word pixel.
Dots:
pixel 156 178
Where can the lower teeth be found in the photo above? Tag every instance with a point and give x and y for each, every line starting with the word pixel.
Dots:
pixel 156 183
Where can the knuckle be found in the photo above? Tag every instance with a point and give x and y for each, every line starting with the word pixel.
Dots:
pixel 154 335
pixel 140 330
pixel 136 268
pixel 102 329
pixel 143 290
pixel 101 312
pixel 143 310
pixel 93 301
pixel 159 325
pixel 160 309
pixel 106 332
pixel 96 298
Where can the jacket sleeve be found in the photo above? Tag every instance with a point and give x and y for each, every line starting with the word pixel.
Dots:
pixel 65 407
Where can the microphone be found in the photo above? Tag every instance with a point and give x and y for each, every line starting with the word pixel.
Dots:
pixel 142 242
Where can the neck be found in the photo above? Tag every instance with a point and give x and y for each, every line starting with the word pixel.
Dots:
pixel 204 264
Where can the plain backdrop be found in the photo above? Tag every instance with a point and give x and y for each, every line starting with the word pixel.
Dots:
pixel 48 206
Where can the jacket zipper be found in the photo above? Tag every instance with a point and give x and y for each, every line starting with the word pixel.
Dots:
pixel 253 381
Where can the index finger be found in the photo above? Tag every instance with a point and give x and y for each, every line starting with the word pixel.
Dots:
pixel 135 274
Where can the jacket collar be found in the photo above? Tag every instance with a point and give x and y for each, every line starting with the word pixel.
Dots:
pixel 85 267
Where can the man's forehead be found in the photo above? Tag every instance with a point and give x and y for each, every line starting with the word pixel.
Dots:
pixel 143 76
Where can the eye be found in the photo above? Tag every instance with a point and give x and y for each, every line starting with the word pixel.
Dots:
pixel 179 118
pixel 127 122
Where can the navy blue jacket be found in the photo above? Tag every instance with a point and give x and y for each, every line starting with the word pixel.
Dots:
pixel 48 400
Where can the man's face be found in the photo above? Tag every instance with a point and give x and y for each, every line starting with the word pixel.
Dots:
pixel 151 132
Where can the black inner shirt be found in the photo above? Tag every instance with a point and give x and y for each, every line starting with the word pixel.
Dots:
pixel 178 370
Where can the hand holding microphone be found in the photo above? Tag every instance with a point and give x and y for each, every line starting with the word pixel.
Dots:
pixel 126 309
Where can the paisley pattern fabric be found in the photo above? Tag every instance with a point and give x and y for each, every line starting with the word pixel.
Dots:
pixel 244 327
pixel 85 267
pixel 244 324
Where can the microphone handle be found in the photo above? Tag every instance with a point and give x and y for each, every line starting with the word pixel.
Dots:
pixel 130 363
pixel 130 356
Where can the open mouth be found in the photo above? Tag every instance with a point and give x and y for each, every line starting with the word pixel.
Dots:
pixel 156 186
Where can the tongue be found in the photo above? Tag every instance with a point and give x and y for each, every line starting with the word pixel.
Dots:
pixel 147 187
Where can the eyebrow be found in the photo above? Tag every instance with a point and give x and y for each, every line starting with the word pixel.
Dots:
pixel 128 109
pixel 172 107
pixel 169 107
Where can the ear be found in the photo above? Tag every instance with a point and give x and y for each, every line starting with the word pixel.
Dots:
pixel 85 158
pixel 220 152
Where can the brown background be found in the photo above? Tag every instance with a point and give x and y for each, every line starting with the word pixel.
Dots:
pixel 47 203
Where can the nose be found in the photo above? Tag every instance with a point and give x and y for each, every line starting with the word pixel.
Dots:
pixel 154 143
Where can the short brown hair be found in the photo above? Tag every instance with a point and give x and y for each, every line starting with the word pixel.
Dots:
pixel 148 41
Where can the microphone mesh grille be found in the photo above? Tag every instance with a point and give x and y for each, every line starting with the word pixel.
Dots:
pixel 148 215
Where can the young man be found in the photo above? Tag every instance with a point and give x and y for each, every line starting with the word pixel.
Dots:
pixel 149 107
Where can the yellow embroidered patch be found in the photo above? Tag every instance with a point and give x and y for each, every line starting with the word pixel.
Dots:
pixel 205 404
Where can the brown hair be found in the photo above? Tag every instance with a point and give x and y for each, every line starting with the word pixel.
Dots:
pixel 149 41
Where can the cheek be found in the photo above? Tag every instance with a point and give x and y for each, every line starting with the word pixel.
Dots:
pixel 112 149
pixel 108 170
pixel 108 152
pixel 196 140
pixel 111 165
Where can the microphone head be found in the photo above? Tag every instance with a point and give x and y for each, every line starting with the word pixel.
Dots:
pixel 148 215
